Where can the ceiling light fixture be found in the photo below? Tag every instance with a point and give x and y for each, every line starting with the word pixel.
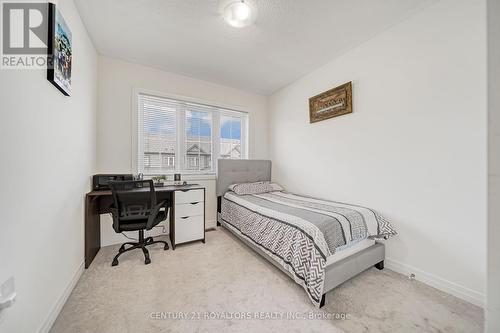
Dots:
pixel 239 13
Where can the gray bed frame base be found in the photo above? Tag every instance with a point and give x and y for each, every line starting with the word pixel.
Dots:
pixel 240 171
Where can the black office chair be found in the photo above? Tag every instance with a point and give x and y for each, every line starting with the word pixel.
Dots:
pixel 135 209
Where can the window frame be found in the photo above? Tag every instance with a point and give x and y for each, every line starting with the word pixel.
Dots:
pixel 217 110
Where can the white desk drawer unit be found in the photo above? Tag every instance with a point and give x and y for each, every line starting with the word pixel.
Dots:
pixel 188 229
pixel 196 208
pixel 189 196
pixel 187 217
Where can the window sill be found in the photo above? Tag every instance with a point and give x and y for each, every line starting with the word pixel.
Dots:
pixel 187 176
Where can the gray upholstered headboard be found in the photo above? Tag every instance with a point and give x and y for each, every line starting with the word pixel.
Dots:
pixel 241 171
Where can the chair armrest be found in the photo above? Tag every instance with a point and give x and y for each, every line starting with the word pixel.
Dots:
pixel 154 212
pixel 114 214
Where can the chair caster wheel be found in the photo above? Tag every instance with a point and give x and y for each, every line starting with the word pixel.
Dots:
pixel 165 248
pixel 147 261
pixel 114 263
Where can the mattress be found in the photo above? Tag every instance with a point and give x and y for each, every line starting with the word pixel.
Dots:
pixel 349 250
pixel 330 225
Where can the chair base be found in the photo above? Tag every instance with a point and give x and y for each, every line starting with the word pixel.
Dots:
pixel 141 244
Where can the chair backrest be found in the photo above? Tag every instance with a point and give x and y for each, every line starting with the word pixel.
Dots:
pixel 133 199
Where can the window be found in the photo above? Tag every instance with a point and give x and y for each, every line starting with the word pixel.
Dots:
pixel 198 138
pixel 158 134
pixel 230 136
pixel 183 136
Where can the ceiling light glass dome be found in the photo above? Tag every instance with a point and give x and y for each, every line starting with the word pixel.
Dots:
pixel 239 13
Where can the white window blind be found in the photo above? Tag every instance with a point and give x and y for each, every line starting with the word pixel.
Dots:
pixel 157 133
pixel 176 136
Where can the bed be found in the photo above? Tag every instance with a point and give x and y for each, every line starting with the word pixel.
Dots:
pixel 318 243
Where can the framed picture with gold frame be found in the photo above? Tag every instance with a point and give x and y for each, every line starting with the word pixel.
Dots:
pixel 332 103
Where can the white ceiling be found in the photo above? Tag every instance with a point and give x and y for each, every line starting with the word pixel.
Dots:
pixel 289 39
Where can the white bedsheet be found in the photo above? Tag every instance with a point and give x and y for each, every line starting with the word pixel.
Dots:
pixel 349 250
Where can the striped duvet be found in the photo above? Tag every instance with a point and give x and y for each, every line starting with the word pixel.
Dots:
pixel 299 233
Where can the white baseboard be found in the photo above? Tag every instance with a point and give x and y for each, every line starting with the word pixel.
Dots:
pixel 449 287
pixel 51 318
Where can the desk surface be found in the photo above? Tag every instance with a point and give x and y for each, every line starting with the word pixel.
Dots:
pixel 167 188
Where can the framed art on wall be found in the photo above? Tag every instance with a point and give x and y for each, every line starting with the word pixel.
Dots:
pixel 60 51
pixel 332 103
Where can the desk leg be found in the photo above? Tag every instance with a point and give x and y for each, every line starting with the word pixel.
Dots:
pixel 92 229
pixel 219 209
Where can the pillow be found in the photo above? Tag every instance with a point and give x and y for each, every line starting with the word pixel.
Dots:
pixel 255 188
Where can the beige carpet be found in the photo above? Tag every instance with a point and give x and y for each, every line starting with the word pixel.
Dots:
pixel 225 278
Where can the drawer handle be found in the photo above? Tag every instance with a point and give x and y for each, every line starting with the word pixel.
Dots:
pixel 194 203
pixel 184 190
pixel 184 217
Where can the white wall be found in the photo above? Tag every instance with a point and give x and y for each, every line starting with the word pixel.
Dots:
pixel 48 149
pixel 493 311
pixel 415 146
pixel 117 79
